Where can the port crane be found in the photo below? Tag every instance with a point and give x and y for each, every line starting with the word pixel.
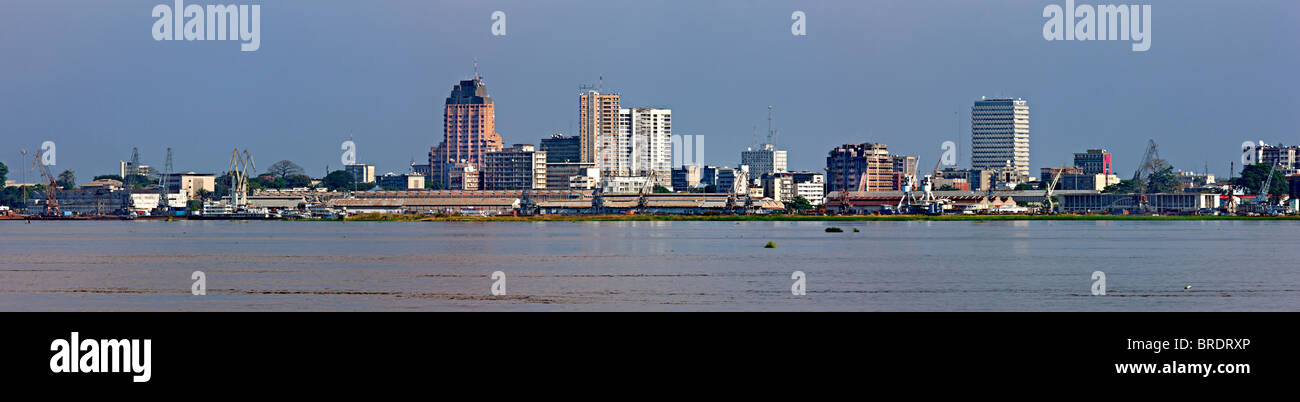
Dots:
pixel 1051 188
pixel 241 165
pixel 910 203
pixel 51 187
pixel 1262 199
pixel 1144 171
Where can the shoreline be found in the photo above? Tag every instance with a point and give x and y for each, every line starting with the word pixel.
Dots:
pixel 802 218
pixel 714 218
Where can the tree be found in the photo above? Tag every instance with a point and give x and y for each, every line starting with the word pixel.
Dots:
pixel 137 181
pixel 1024 186
pixel 1162 180
pixel 67 180
pixel 948 187
pixel 710 188
pixel 110 177
pixel 297 180
pixel 4 173
pixel 222 186
pixel 266 181
pixel 800 204
pixel 339 180
pixel 283 169
pixel 1124 186
pixel 1253 176
pixel 662 189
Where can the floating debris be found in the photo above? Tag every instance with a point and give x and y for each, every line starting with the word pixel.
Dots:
pixel 833 229
pixel 769 245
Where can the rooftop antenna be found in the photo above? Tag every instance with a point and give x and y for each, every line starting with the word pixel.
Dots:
pixel 476 68
pixel 601 81
pixel 755 143
pixel 769 124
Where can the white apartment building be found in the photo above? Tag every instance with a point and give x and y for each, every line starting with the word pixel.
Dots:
pixel 642 147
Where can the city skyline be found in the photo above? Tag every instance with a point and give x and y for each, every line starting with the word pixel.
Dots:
pixel 1199 93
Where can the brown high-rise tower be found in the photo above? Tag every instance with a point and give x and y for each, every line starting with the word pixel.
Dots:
pixel 468 129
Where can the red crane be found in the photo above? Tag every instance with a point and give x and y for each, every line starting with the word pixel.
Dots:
pixel 51 188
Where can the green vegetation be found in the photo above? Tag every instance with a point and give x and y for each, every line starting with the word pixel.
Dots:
pixel 4 172
pixel 137 181
pixel 855 230
pixel 1162 181
pixel 67 180
pixel 799 204
pixel 661 189
pixel 947 187
pixel 16 197
pixel 342 180
pixel 1253 176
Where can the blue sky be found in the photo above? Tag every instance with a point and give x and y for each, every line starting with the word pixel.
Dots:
pixel 89 76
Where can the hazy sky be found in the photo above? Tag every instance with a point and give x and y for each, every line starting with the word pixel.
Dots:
pixel 89 76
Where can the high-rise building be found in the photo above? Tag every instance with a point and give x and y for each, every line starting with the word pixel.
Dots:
pixel 598 123
pixel 520 167
pixel 765 160
pixel 469 129
pixel 642 146
pixel 847 163
pixel 1095 161
pixel 561 149
pixel 1000 134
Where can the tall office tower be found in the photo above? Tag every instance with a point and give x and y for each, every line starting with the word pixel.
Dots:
pixel 469 129
pixel 765 160
pixel 597 124
pixel 1095 161
pixel 1000 134
pixel 642 146
pixel 847 163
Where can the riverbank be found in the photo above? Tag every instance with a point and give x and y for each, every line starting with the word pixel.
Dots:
pixel 786 218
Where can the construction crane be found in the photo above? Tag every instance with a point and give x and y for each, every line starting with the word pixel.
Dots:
pixel 240 167
pixel 1143 173
pixel 1051 188
pixel 164 181
pixel 909 181
pixel 1262 198
pixel 51 187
